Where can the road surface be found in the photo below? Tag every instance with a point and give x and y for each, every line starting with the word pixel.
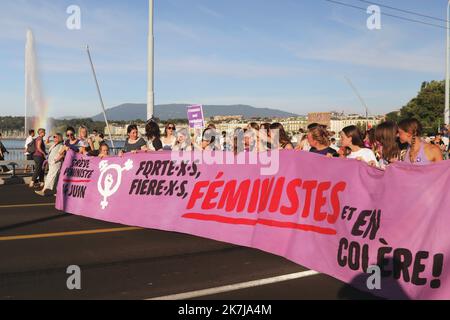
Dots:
pixel 38 244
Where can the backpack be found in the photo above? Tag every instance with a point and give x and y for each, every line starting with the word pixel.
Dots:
pixel 31 147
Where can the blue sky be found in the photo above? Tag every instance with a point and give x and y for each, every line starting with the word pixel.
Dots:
pixel 287 54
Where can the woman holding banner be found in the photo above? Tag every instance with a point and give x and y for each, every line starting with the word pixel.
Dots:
pixel 168 140
pixel 86 144
pixel 353 140
pixel 133 144
pixel 319 141
pixel 264 140
pixel 419 152
pixel 183 142
pixel 279 138
pixel 386 137
pixel 103 152
pixel 153 134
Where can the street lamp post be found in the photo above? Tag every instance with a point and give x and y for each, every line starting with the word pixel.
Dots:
pixel 150 75
pixel 447 71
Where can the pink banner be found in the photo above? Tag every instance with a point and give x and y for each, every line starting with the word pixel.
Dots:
pixel 338 217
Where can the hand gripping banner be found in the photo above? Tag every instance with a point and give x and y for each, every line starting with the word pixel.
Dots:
pixel 338 217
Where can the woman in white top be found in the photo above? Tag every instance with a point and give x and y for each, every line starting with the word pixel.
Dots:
pixel 353 140
pixel 169 139
pixel 183 141
pixel 55 161
pixel 86 144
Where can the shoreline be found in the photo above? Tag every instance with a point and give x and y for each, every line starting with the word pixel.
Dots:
pixel 13 139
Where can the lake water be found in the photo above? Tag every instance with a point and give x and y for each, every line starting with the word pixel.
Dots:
pixel 13 144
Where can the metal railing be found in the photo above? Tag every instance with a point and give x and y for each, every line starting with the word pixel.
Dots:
pixel 18 154
pixel 15 155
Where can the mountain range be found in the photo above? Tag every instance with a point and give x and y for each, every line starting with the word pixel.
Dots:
pixel 131 112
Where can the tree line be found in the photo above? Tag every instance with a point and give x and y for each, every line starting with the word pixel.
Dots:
pixel 428 107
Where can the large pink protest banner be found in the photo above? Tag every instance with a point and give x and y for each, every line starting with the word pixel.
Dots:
pixel 336 216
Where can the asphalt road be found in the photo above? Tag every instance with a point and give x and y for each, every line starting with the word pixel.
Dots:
pixel 38 244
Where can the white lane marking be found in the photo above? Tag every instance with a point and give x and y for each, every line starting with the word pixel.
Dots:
pixel 238 286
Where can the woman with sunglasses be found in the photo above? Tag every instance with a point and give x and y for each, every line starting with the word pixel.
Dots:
pixel 72 143
pixel 169 139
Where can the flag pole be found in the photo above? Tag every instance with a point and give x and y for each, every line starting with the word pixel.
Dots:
pixel 447 71
pixel 151 62
pixel 26 87
pixel 100 96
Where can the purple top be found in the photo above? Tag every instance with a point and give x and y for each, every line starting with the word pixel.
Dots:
pixel 39 141
pixel 421 158
pixel 75 147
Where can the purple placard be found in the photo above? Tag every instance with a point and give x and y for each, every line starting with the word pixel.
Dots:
pixel 195 116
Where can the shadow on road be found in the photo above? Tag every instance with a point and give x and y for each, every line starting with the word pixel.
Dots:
pixel 390 289
pixel 28 223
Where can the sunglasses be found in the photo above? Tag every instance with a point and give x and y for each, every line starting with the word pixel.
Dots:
pixel 170 128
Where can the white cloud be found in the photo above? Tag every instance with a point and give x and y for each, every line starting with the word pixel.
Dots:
pixel 391 48
pixel 369 54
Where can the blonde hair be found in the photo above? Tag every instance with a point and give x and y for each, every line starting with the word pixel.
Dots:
pixel 81 128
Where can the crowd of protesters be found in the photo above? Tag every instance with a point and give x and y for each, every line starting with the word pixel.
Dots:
pixel 388 143
pixel 48 154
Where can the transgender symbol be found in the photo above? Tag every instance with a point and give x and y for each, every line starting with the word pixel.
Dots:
pixel 106 185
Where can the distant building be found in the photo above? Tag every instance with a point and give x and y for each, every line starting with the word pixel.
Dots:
pixel 323 118
pixel 231 126
pixel 293 125
pixel 120 131
pixel 336 121
pixel 226 118
pixel 336 125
